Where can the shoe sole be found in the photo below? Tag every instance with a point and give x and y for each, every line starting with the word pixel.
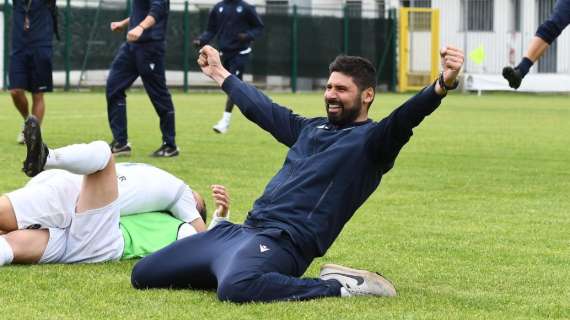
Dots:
pixel 170 155
pixel 216 130
pixel 378 281
pixel 122 154
pixel 33 138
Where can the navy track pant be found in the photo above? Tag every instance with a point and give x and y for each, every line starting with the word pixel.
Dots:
pixel 147 61
pixel 242 263
pixel 235 63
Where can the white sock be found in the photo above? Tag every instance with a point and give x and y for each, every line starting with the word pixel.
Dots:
pixel 344 293
pixel 81 159
pixel 227 116
pixel 6 253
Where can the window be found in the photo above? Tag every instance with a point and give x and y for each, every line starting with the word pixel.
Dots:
pixel 416 3
pixel 477 15
pixel 381 6
pixel 276 6
pixel 516 10
pixel 354 8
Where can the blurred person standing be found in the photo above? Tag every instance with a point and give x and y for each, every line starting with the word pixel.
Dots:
pixel 34 23
pixel 141 55
pixel 546 33
pixel 236 24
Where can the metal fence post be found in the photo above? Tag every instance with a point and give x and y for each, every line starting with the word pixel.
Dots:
pixel 67 47
pixel 294 50
pixel 186 37
pixel 393 54
pixel 128 9
pixel 7 9
pixel 345 26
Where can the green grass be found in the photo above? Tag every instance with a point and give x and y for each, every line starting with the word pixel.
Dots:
pixel 472 223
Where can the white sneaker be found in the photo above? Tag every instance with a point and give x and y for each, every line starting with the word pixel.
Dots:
pixel 222 126
pixel 358 282
pixel 20 138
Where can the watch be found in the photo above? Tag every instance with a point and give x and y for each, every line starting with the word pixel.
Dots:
pixel 445 87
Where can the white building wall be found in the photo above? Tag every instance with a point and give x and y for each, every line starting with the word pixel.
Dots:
pixel 502 46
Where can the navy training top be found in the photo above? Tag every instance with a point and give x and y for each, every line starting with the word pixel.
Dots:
pixel 40 33
pixel 158 9
pixel 329 171
pixel 227 19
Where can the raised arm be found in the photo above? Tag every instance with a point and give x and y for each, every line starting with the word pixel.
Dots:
pixel 394 131
pixel 281 122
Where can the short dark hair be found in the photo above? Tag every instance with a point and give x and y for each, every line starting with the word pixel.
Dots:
pixel 203 211
pixel 200 205
pixel 359 69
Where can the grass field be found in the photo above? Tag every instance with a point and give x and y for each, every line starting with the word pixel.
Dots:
pixel 472 223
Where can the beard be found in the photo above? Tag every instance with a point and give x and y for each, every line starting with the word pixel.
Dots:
pixel 344 115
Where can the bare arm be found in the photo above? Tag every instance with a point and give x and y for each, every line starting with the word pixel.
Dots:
pixel 118 26
pixel 136 32
pixel 199 225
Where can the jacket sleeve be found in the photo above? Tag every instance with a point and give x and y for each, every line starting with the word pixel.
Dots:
pixel 393 132
pixel 280 122
pixel 158 9
pixel 255 23
pixel 211 29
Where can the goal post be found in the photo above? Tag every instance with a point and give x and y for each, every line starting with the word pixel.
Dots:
pixel 418 48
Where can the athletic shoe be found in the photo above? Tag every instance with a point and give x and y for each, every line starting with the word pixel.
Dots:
pixel 120 149
pixel 222 126
pixel 37 151
pixel 358 282
pixel 513 76
pixel 165 151
pixel 20 138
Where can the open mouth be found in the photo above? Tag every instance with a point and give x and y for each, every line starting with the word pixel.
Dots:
pixel 334 108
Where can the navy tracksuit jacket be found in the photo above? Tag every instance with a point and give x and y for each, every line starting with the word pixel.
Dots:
pixel 559 19
pixel 41 25
pixel 227 19
pixel 144 58
pixel 31 52
pixel 328 173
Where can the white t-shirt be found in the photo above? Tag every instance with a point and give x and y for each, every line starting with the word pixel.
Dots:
pixel 49 199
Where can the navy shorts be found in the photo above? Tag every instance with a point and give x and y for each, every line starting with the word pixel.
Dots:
pixel 31 69
pixel 235 63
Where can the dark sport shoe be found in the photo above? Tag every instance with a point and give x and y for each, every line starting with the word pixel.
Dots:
pixel 37 151
pixel 513 76
pixel 120 149
pixel 166 151
pixel 358 282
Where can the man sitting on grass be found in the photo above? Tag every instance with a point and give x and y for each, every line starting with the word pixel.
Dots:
pixel 72 215
pixel 333 165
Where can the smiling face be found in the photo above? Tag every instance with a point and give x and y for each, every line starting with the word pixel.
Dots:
pixel 344 102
